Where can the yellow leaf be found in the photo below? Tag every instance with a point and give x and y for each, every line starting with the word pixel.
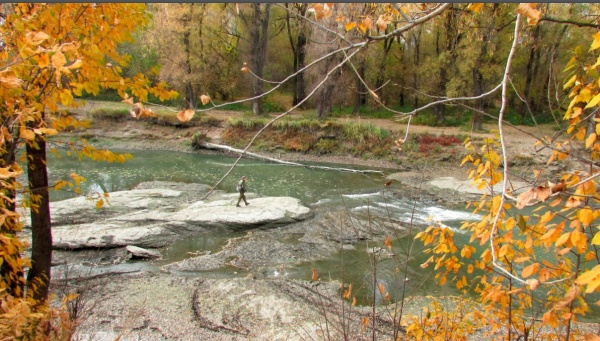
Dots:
pixel 586 216
pixel 381 288
pixel 28 134
pixel 475 7
pixel 590 140
pixel 99 203
pixel 596 239
pixel 593 102
pixel 563 239
pixel 76 65
pixel 570 82
pixel 349 25
pixel 596 43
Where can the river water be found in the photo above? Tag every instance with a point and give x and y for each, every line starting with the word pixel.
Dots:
pixel 355 193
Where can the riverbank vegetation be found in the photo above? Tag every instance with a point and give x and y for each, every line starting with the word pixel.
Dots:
pixel 440 64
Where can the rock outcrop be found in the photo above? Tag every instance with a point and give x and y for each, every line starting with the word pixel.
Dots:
pixel 155 214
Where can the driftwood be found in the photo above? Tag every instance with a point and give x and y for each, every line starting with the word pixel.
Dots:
pixel 270 159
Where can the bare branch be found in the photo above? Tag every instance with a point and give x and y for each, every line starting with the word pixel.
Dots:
pixel 334 69
pixel 570 22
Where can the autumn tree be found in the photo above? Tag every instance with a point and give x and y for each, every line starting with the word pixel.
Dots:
pixel 50 54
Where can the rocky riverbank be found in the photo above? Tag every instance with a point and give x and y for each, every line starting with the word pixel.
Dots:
pixel 132 301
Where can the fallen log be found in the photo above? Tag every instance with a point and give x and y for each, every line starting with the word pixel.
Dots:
pixel 208 145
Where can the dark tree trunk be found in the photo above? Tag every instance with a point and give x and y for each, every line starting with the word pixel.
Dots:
pixel 387 46
pixel 10 269
pixel 258 39
pixel 359 95
pixel 530 71
pixel 416 59
pixel 190 95
pixel 299 51
pixel 41 246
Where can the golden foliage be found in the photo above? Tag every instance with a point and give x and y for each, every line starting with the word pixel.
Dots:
pixel 66 46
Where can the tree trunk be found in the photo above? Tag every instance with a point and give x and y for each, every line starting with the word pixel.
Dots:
pixel 190 95
pixel 11 271
pixel 299 51
pixel 359 95
pixel 533 55
pixel 387 46
pixel 41 246
pixel 258 39
pixel 416 41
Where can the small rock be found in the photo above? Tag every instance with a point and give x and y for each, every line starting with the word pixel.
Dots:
pixel 138 252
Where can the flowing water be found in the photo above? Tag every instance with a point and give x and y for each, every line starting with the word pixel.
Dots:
pixel 357 193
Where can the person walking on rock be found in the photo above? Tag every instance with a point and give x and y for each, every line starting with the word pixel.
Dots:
pixel 241 188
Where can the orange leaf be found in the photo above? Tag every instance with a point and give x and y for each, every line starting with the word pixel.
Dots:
pixel 572 202
pixel 99 203
pixel 185 115
pixel 349 25
pixel 525 198
pixel 128 100
pixel 533 15
pixel 573 292
pixel 475 7
pixel 58 60
pixel 388 243
pixel 43 60
pixel 544 275
pixel 543 193
pixel 314 274
pixel 382 23
pixel 530 270
pixel 381 288
pixel 348 292
pixel 204 99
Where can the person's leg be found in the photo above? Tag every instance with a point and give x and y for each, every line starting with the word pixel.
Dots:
pixel 240 199
pixel 244 196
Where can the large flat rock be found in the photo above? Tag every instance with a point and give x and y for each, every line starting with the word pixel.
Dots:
pixel 155 217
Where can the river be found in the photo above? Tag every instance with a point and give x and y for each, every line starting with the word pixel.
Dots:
pixel 356 194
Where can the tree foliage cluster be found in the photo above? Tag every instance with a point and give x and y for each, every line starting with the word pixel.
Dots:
pixel 49 55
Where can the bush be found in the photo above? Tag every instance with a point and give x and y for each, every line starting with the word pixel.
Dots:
pixel 325 146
